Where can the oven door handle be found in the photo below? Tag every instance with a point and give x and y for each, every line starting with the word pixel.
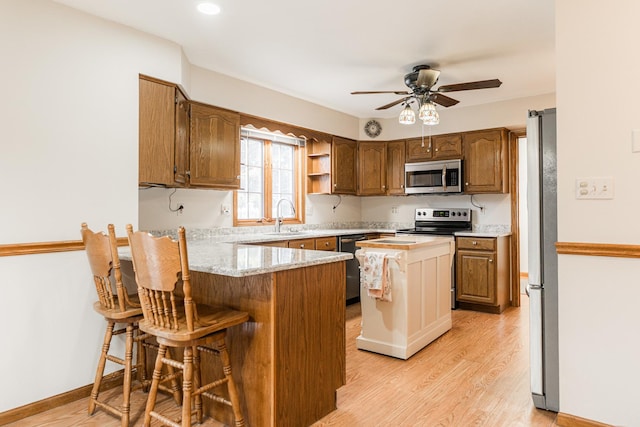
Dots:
pixel 444 177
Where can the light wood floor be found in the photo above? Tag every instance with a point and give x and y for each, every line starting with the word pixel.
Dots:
pixel 477 374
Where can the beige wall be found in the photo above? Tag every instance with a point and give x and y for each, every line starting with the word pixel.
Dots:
pixel 597 69
pixel 69 154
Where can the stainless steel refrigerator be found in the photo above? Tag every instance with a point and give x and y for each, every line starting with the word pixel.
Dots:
pixel 543 259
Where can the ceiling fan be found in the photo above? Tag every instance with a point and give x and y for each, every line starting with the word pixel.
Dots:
pixel 421 81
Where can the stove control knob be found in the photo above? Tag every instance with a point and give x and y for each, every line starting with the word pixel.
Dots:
pixel 464 214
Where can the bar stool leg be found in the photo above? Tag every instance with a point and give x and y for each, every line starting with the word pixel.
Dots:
pixel 128 367
pixel 100 369
pixel 197 382
pixel 187 385
pixel 155 381
pixel 231 385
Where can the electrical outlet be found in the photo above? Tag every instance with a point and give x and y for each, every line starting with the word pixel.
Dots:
pixel 394 210
pixel 225 209
pixel 594 188
pixel 179 208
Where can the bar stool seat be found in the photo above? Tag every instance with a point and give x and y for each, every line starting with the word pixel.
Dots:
pixel 176 320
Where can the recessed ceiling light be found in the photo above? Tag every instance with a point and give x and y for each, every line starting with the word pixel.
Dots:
pixel 209 8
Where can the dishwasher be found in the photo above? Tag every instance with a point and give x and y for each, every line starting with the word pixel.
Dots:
pixel 347 243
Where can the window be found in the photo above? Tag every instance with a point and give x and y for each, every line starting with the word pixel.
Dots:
pixel 270 170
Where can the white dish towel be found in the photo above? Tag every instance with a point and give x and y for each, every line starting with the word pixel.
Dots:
pixel 374 275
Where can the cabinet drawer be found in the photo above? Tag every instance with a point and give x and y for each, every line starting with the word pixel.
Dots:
pixel 277 243
pixel 326 244
pixel 479 243
pixel 302 244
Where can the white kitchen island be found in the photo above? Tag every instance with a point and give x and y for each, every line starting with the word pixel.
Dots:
pixel 420 308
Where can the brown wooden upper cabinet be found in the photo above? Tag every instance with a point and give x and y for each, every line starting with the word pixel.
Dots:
pixel 486 162
pixel 437 147
pixel 214 152
pixel 395 167
pixel 343 166
pixel 163 133
pixel 184 143
pixel 372 168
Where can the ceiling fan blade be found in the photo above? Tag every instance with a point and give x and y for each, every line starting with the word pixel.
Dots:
pixel 482 84
pixel 427 78
pixel 391 104
pixel 369 92
pixel 445 101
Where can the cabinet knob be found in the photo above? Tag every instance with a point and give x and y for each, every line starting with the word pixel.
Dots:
pixel 474 243
pixel 238 177
pixel 466 183
pixel 384 186
pixel 437 149
pixel 490 260
pixel 301 245
pixel 326 243
pixel 335 185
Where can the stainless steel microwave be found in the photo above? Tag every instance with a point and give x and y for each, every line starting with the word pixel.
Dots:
pixel 435 177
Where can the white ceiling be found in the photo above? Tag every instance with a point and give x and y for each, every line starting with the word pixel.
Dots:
pixel 320 51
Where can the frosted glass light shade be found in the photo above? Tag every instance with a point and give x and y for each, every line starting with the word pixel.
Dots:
pixel 428 114
pixel 407 116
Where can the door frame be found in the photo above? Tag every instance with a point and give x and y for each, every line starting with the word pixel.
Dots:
pixel 514 135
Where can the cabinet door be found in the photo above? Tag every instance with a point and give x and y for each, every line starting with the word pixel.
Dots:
pixel 156 129
pixel 214 159
pixel 447 146
pixel 395 167
pixel 343 166
pixel 485 161
pixel 181 161
pixel 372 167
pixel 419 149
pixel 476 277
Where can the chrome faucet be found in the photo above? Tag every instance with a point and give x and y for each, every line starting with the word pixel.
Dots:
pixel 278 214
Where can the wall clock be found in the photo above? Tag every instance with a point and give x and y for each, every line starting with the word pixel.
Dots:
pixel 372 128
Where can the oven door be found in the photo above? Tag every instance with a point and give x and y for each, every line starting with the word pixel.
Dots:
pixel 433 177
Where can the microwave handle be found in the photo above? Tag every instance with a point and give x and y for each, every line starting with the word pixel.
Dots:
pixel 444 177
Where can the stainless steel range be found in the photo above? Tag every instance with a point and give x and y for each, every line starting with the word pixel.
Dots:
pixel 441 222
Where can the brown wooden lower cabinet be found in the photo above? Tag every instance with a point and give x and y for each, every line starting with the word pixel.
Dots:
pixel 482 273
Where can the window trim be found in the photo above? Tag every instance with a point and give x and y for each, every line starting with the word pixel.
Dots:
pixel 298 190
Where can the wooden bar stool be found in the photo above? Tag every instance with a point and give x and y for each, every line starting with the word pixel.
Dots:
pixel 115 307
pixel 174 318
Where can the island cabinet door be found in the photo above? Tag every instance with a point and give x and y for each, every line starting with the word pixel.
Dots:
pixel 476 277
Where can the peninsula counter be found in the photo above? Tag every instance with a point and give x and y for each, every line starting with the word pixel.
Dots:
pixel 289 358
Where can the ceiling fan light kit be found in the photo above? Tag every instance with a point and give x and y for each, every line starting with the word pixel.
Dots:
pixel 421 81
pixel 407 116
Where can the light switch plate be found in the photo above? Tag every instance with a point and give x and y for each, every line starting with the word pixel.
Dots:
pixel 635 141
pixel 594 188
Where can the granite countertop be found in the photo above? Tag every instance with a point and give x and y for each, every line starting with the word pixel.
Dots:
pixel 406 242
pixel 238 260
pixel 482 233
